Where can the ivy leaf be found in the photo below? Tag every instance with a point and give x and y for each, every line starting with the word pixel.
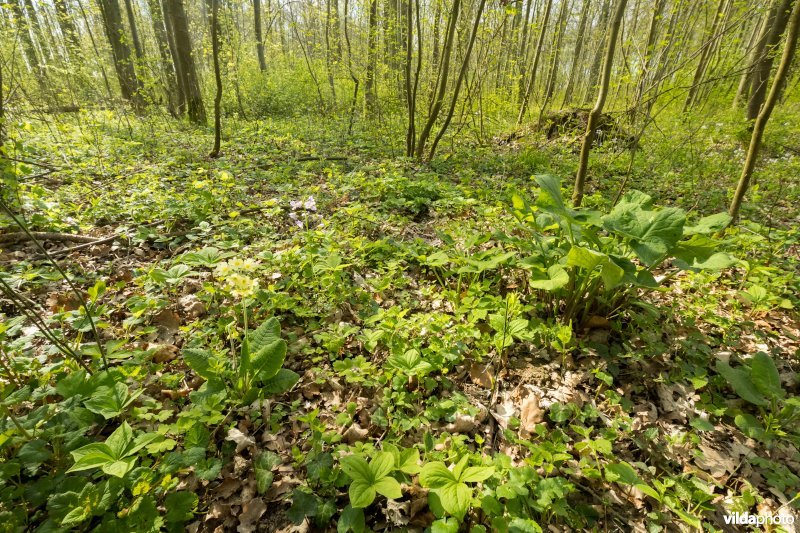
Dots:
pixel 263 464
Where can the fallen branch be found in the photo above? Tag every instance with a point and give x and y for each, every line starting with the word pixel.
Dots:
pixel 19 236
pixel 65 251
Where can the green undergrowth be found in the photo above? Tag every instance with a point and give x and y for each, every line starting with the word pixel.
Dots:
pixel 359 341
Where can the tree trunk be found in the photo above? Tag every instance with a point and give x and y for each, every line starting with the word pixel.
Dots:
pixel 763 68
pixel 371 98
pixel 123 62
pixel 763 116
pixel 68 26
pixel 184 59
pixel 535 65
pixel 743 89
pixel 168 68
pixel 217 78
pixel 707 45
pixel 594 71
pixel 577 56
pixel 597 111
pixel 649 51
pixel 552 76
pixel 262 62
pixel 137 44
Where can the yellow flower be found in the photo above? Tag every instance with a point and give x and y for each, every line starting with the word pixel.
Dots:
pixel 236 263
pixel 223 269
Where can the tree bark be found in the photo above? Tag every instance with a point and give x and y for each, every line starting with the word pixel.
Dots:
pixel 167 66
pixel 763 68
pixel 184 59
pixel 370 97
pixel 763 116
pixel 523 108
pixel 137 44
pixel 123 62
pixel 594 71
pixel 217 78
pixel 597 111
pixel 707 45
pixel 262 62
pixel 577 56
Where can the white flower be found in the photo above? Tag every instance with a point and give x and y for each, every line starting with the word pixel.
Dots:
pixel 310 204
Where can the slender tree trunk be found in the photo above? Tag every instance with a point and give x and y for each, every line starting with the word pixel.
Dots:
pixel 68 26
pixel 743 89
pixel 262 62
pixel 461 76
pixel 522 51
pixel 438 100
pixel 523 108
pixel 371 98
pixel 137 44
pixel 552 76
pixel 123 62
pixel 28 47
pixel 329 61
pixel 184 60
pixel 649 50
pixel 356 81
pixel 167 67
pixel 707 45
pixel 763 68
pixel 597 111
pixel 577 56
pixel 760 124
pixel 217 78
pixel 594 71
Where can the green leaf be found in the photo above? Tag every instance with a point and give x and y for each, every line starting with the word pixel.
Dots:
pixel 550 198
pixel 120 467
pixel 750 426
pixel 622 473
pixel 765 377
pixel 119 440
pixel 357 468
pixel 389 487
pixel 263 463
pixel 556 278
pixel 92 455
pixel 652 234
pixel 407 461
pixel 381 465
pixel 474 474
pixel 524 525
pixel 266 362
pixel 708 225
pixel 362 493
pixel 267 333
pixel 648 490
pixel 455 498
pixel 351 519
pixel 435 475
pixel 198 360
pixel 284 380
pixel 34 453
pixel 180 506
pixel 110 402
pixel 741 383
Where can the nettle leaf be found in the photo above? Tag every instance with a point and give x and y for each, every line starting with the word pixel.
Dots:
pixel 739 380
pixel 765 377
pixel 284 380
pixel 110 402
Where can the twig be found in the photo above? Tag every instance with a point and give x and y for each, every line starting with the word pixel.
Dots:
pixel 66 251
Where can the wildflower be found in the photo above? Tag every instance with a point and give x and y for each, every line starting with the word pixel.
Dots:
pixel 250 265
pixel 223 269
pixel 296 204
pixel 310 204
pixel 236 263
pixel 241 286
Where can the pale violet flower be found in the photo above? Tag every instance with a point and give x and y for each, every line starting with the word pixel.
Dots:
pixel 310 204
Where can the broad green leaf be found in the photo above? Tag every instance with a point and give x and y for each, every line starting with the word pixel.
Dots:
pixel 474 474
pixel 455 498
pixel 407 461
pixel 524 525
pixel 119 440
pixel 362 493
pixel 120 467
pixel 381 465
pixel 750 426
pixel 741 383
pixel 198 360
pixel 650 491
pixel 357 468
pixel 284 380
pixel 556 278
pixel 266 362
pixel 708 225
pixel 110 402
pixel 550 198
pixel 92 455
pixel 435 475
pixel 585 258
pixel 765 377
pixel 389 487
pixel 651 234
pixel 266 334
pixel 622 473
pixel 410 362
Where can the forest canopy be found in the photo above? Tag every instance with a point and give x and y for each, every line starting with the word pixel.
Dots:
pixel 399 265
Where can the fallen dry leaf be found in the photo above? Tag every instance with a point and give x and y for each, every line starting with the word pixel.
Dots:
pixel 251 512
pixel 531 414
pixel 242 441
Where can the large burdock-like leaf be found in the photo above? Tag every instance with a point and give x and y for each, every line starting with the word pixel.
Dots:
pixel 651 234
pixel 739 380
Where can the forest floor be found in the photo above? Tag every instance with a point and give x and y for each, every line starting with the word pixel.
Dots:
pixel 405 300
